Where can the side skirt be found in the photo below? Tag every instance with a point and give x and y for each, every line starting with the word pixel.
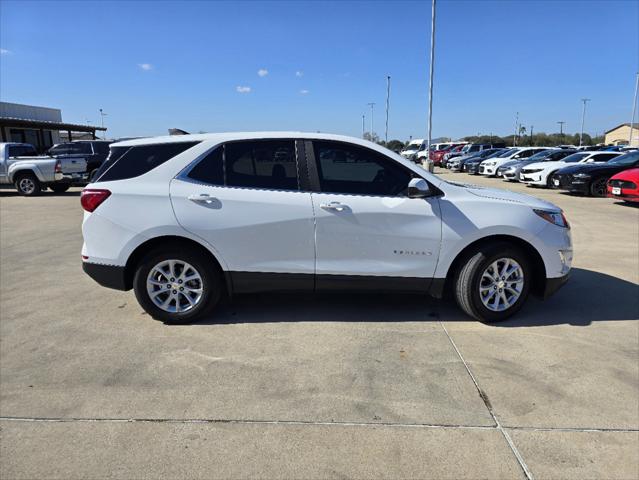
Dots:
pixel 252 282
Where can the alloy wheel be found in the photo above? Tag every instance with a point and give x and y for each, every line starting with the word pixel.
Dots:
pixel 501 284
pixel 174 286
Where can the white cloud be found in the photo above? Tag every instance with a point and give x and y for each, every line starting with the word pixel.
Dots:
pixel 4 51
pixel 241 89
pixel 145 66
pixel 299 73
pixel 303 92
pixel 262 72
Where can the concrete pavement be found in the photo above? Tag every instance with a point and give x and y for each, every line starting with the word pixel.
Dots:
pixel 316 387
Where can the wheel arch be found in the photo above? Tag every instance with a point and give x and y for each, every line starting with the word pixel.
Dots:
pixel 172 241
pixel 32 169
pixel 537 263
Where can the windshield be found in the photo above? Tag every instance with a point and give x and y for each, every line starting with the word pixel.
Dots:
pixel 540 155
pixel 413 146
pixel 507 153
pixel 575 157
pixel 625 160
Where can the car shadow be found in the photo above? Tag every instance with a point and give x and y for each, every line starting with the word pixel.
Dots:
pixel 588 297
pixel 628 204
pixel 13 193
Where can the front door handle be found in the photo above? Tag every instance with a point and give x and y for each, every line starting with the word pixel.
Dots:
pixel 202 198
pixel 336 206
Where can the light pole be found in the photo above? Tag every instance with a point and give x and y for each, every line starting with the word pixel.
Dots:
pixel 561 130
pixel 430 165
pixel 583 119
pixel 634 110
pixel 102 115
pixel 372 104
pixel 516 129
pixel 531 136
pixel 363 125
pixel 387 106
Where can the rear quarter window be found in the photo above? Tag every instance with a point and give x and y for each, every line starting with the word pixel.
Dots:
pixel 130 162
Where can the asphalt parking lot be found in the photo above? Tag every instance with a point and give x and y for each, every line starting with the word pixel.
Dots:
pixel 359 386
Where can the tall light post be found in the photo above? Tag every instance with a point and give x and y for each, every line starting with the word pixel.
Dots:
pixel 363 125
pixel 516 129
pixel 634 110
pixel 583 119
pixel 387 106
pixel 561 129
pixel 372 105
pixel 102 115
pixel 430 86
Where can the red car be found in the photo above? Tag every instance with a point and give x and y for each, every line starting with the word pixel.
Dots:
pixel 625 185
pixel 438 155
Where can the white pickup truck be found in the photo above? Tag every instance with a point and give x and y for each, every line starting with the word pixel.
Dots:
pixel 31 173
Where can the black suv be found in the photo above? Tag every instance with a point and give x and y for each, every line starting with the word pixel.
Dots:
pixel 94 151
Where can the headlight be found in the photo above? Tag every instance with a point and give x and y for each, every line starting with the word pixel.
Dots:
pixel 556 218
pixel 582 175
pixel 489 164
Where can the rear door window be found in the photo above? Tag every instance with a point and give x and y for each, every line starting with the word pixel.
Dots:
pixel 138 160
pixel 269 164
pixel 22 151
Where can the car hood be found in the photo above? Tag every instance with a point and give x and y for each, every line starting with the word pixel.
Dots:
pixel 508 196
pixel 596 167
pixel 542 165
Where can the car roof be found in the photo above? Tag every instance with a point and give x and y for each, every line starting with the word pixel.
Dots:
pixel 230 136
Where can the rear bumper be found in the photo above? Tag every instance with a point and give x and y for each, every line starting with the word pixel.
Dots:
pixel 554 284
pixel 110 276
pixel 71 177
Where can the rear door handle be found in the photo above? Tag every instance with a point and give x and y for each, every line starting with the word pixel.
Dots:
pixel 202 198
pixel 336 206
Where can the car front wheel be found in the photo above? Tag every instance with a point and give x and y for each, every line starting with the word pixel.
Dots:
pixel 177 286
pixel 494 283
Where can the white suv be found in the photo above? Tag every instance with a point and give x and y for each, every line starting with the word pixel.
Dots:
pixel 184 220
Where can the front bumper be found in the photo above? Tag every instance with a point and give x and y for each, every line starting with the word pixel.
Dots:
pixel 625 196
pixel 510 176
pixel 487 170
pixel 110 276
pixel 532 178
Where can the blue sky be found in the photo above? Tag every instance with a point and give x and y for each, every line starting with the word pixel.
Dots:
pixel 156 65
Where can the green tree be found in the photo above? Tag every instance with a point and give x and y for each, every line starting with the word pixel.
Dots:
pixel 395 145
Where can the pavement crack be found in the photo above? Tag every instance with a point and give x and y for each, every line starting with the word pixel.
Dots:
pixel 489 407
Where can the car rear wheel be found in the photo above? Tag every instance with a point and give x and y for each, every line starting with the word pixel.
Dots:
pixel 28 185
pixel 177 286
pixel 494 283
pixel 598 187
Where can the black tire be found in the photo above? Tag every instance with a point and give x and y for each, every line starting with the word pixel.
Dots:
pixel 599 187
pixel 469 277
pixel 59 187
pixel 549 180
pixel 27 184
pixel 211 284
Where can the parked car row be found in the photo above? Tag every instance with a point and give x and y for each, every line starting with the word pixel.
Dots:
pixel 586 172
pixel 64 165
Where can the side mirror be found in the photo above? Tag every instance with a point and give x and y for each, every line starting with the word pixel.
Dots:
pixel 418 188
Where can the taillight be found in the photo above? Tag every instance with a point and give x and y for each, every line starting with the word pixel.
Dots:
pixel 93 198
pixel 58 167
